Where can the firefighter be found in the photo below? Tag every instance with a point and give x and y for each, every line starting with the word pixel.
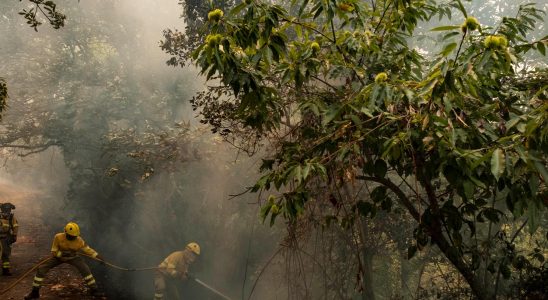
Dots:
pixel 8 235
pixel 65 249
pixel 175 266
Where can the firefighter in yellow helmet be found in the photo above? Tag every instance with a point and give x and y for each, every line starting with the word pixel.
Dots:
pixel 8 235
pixel 65 249
pixel 175 266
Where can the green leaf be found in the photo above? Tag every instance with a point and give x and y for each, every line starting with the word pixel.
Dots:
pixel 236 10
pixel 450 35
pixel 511 123
pixel 364 208
pixel 301 9
pixel 448 49
pixel 273 218
pixel 366 111
pixel 469 189
pixel 534 184
pixel 306 170
pixel 542 171
pixel 533 216
pixel 380 168
pixel 497 163
pixel 444 28
pixel 330 115
pixel 265 209
pixel 541 48
pixel 461 8
pixel 492 214
pixel 297 174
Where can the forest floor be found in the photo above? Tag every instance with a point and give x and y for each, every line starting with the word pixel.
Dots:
pixel 33 244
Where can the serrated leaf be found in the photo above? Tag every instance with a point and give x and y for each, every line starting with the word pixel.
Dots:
pixel 450 35
pixel 297 174
pixel 542 171
pixel 469 189
pixel 448 48
pixel 330 115
pixel 444 28
pixel 461 8
pixel 306 170
pixel 541 48
pixel 497 163
pixel 511 123
pixel 533 217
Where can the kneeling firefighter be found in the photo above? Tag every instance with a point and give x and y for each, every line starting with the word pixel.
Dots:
pixel 175 266
pixel 65 249
pixel 8 235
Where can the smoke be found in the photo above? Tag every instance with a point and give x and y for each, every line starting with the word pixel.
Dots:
pixel 103 75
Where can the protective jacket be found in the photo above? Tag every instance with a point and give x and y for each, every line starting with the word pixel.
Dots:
pixel 9 224
pixel 65 248
pixel 177 263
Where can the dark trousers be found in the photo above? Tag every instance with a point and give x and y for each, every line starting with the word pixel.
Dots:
pixel 6 253
pixel 77 262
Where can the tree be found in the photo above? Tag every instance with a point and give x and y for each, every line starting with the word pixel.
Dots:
pixel 357 118
pixel 179 44
pixel 56 19
pixel 48 10
pixel 135 167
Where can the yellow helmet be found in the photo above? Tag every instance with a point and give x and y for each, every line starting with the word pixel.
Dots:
pixel 72 229
pixel 194 248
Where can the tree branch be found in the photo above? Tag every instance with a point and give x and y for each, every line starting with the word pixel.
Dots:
pixel 33 149
pixel 396 190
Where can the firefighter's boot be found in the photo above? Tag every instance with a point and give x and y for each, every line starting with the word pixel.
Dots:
pixel 34 294
pixel 6 272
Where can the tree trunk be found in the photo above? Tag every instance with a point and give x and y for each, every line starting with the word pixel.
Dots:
pixel 368 292
pixel 406 269
pixel 454 255
pixel 368 252
pixel 479 288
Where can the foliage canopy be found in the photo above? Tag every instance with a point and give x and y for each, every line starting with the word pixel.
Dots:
pixel 364 121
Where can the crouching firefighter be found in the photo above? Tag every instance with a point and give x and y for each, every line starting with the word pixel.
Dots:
pixel 8 235
pixel 65 249
pixel 175 266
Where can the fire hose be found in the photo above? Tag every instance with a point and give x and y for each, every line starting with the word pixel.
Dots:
pixel 43 261
pixel 211 289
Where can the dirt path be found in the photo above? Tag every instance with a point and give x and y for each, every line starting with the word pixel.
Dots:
pixel 33 244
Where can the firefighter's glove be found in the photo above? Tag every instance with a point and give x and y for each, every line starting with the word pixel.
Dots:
pixel 12 239
pixel 101 260
pixel 173 273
